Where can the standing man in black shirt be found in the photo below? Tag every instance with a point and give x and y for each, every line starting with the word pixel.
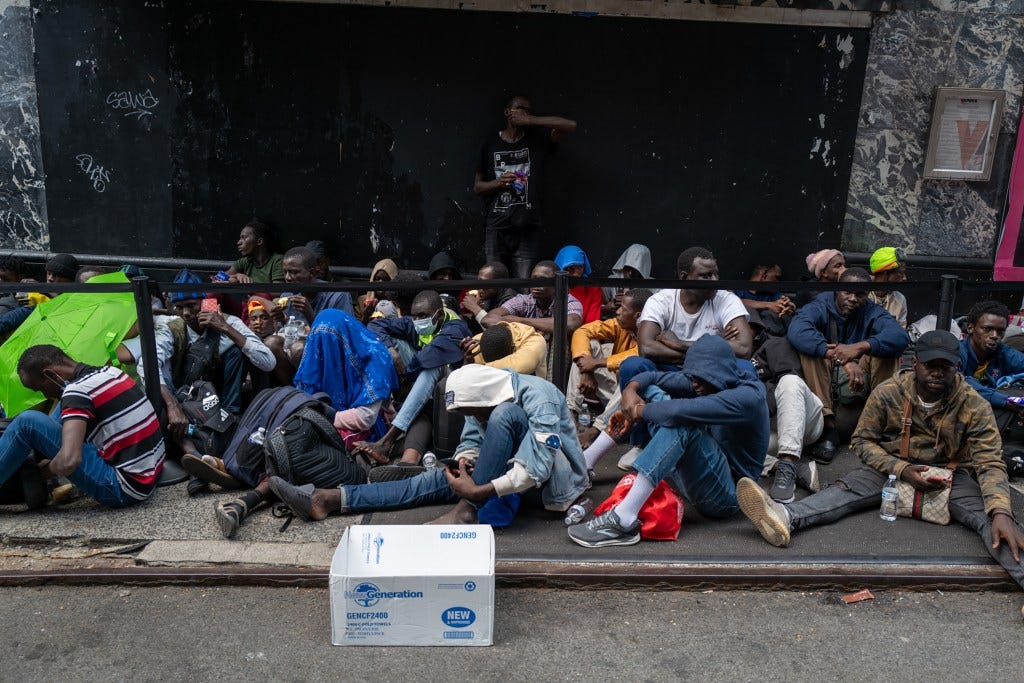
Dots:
pixel 510 176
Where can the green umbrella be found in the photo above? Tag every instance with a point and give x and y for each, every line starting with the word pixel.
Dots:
pixel 87 327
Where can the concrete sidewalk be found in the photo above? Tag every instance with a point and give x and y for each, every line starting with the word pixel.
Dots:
pixel 174 530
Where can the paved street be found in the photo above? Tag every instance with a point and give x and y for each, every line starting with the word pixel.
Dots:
pixel 246 634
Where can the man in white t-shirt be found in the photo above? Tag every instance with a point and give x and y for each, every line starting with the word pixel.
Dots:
pixel 672 320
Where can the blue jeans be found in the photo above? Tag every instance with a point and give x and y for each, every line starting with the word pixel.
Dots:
pixel 232 374
pixel 32 430
pixel 634 365
pixel 695 463
pixel 630 368
pixel 428 488
pixel 506 428
pixel 421 392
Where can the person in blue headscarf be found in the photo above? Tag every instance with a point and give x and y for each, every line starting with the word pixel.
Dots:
pixel 574 261
pixel 351 365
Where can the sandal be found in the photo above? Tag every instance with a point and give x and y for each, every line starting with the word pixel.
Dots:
pixel 196 465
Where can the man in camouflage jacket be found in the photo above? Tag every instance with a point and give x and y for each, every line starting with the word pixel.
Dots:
pixel 952 426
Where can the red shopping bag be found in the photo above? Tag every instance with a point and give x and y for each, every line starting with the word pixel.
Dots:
pixel 661 517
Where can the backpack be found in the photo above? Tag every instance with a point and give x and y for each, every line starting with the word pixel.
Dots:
pixel 447 431
pixel 201 357
pixel 297 451
pixel 842 394
pixel 213 426
pixel 307 449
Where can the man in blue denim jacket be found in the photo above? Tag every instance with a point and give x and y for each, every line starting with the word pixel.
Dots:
pixel 519 436
pixel 709 425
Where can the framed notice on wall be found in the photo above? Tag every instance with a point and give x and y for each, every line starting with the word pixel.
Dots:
pixel 965 126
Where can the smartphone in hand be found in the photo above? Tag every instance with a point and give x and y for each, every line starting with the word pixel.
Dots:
pixel 209 305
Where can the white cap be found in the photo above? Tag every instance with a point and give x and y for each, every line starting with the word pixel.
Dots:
pixel 477 386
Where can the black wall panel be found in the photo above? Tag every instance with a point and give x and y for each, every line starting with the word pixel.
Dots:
pixel 104 108
pixel 362 127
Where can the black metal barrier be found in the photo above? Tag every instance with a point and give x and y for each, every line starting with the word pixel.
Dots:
pixel 143 288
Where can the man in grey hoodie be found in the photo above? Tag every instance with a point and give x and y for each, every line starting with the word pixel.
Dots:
pixel 709 425
pixel 634 264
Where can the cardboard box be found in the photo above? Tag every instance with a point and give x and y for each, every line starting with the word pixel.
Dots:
pixel 413 585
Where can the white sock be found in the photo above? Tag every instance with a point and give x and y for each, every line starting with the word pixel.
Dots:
pixel 629 509
pixel 602 445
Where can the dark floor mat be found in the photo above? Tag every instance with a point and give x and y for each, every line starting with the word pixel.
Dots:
pixel 860 538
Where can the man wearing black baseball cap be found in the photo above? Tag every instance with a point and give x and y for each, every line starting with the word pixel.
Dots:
pixel 951 427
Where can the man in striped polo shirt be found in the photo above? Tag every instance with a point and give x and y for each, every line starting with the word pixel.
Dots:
pixel 108 442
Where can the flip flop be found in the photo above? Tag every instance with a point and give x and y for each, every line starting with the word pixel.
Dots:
pixel 193 464
pixel 298 498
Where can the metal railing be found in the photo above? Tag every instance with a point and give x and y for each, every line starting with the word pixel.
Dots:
pixel 144 288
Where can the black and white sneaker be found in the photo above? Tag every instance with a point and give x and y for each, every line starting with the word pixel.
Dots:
pixel 783 487
pixel 604 530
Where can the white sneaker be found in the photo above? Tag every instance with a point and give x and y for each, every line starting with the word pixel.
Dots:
pixel 628 458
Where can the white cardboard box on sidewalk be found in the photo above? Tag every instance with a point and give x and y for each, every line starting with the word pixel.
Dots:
pixel 413 585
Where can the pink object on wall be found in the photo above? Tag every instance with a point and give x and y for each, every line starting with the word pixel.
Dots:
pixel 1004 268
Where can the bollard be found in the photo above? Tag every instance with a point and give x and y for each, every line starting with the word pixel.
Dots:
pixel 142 289
pixel 559 370
pixel 947 299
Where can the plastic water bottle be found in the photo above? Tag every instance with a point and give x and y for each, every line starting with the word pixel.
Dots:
pixel 579 510
pixel 584 418
pixel 429 460
pixel 888 511
pixel 290 332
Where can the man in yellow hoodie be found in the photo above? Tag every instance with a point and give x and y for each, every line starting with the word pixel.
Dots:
pixel 509 346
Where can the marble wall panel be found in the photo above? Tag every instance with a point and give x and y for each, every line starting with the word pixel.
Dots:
pixel 903 52
pixel 956 217
pixel 883 167
pixel 22 185
pixel 856 5
pixel 924 44
pixel 999 6
pixel 990 54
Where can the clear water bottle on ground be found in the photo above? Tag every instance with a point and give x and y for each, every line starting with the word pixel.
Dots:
pixel 888 511
pixel 580 509
pixel 585 419
pixel 429 460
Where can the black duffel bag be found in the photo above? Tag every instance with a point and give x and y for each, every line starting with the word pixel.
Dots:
pixel 306 446
pixel 307 449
